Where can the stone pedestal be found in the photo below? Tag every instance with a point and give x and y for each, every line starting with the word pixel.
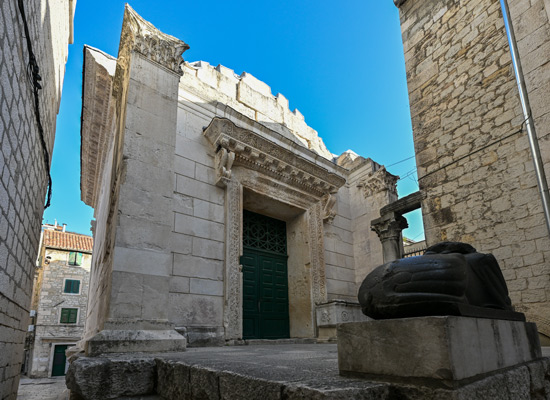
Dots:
pixel 446 351
pixel 329 315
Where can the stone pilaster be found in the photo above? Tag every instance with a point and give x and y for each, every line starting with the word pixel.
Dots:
pixel 145 88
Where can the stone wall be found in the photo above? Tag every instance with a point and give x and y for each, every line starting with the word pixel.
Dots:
pixel 23 176
pixel 51 299
pixel 197 284
pixel 473 159
pixel 156 141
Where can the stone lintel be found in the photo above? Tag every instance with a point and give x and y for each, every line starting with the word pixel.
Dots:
pixel 404 205
pixel 279 158
pixel 446 351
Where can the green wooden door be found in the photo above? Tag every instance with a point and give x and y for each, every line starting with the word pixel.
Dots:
pixel 265 278
pixel 59 360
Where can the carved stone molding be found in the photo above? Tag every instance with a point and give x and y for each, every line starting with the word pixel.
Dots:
pixel 223 163
pixel 275 190
pixel 390 227
pixel 328 201
pixel 317 248
pixel 379 181
pixel 98 108
pixel 232 318
pixel 261 154
pixel 141 36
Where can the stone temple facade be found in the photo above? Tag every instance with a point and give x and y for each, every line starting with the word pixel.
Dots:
pixel 25 156
pixel 220 214
pixel 475 167
pixel 60 297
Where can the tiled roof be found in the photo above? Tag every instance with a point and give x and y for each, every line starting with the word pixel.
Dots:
pixel 68 241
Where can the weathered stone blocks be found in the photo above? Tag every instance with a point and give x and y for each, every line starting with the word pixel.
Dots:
pixel 437 349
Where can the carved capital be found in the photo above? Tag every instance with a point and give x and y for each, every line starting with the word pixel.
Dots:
pixel 389 227
pixel 141 36
pixel 379 181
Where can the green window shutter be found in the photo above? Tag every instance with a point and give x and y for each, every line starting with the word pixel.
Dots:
pixel 72 315
pixel 64 315
pixel 71 286
pixel 68 315
pixel 78 259
pixel 72 258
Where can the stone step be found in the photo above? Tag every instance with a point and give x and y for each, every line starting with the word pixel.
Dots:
pixel 279 372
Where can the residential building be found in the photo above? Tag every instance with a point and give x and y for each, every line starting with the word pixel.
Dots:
pixel 59 301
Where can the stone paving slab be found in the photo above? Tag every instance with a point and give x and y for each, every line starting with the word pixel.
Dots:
pixel 42 389
pixel 279 372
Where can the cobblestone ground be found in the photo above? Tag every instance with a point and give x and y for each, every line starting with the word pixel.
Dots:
pixel 42 389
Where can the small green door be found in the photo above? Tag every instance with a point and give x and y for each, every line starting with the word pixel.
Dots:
pixel 59 360
pixel 265 278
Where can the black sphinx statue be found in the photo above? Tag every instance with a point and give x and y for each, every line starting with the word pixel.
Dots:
pixel 451 278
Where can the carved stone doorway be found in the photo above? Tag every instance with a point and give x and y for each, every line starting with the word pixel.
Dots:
pixel 265 279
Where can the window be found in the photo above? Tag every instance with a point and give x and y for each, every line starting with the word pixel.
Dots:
pixel 71 286
pixel 75 258
pixel 68 315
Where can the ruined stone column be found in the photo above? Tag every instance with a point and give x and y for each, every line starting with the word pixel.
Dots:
pixel 389 228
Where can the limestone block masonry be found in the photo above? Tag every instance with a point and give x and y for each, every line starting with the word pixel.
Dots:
pixel 23 178
pixel 49 299
pixel 173 153
pixel 445 351
pixel 474 162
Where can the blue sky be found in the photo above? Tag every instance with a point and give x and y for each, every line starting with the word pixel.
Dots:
pixel 340 63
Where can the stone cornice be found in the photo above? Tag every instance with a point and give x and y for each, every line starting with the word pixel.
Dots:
pixel 258 153
pixel 96 120
pixel 141 36
pixel 379 181
pixel 399 3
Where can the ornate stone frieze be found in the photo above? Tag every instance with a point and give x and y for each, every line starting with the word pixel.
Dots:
pixel 232 318
pixel 141 36
pixel 261 154
pixel 317 248
pixel 277 191
pixel 379 181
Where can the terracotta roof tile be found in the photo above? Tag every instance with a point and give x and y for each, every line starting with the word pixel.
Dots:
pixel 68 241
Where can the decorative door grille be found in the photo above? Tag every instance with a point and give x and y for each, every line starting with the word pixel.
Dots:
pixel 264 233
